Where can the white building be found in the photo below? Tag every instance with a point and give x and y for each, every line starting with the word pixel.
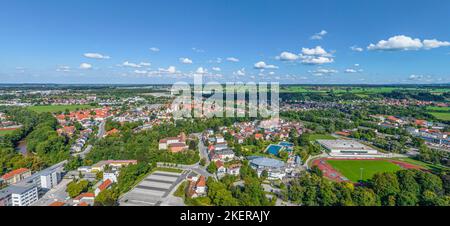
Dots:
pixel 110 176
pixel 50 180
pixel 347 148
pixel 24 196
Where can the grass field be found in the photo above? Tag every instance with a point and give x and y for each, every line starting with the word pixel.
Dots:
pixel 314 137
pixel 352 168
pixel 57 108
pixel 445 116
pixel 5 132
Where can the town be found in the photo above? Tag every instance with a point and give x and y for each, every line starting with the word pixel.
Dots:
pixel 125 148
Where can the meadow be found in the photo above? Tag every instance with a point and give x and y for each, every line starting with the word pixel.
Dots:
pixel 59 108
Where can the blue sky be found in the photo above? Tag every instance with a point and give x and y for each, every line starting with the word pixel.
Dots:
pixel 142 41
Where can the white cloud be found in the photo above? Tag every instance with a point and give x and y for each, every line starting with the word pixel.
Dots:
pixel 317 60
pixel 232 59
pixel 356 49
pixel 323 71
pixel 154 49
pixel 317 55
pixel 319 36
pixel 240 72
pixel 185 60
pixel 433 43
pixel 263 65
pixel 63 68
pixel 170 70
pixel 197 50
pixel 141 72
pixel 85 66
pixel 287 56
pixel 96 56
pixel 134 65
pixel 216 69
pixel 350 70
pixel 317 51
pixel 399 42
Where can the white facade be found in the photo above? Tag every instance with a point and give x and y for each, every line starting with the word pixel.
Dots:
pixel 25 197
pixel 111 176
pixel 50 180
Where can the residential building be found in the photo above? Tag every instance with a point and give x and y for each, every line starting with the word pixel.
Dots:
pixel 105 185
pixel 17 175
pixel 24 196
pixel 50 180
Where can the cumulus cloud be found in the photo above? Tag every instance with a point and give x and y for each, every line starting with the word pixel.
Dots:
pixel 263 65
pixel 85 66
pixel 240 72
pixel 169 70
pixel 433 43
pixel 317 51
pixel 232 59
pixel 287 56
pixel 319 36
pixel 216 69
pixel 96 56
pixel 135 65
pixel 317 60
pixel 154 49
pixel 316 55
pixel 402 42
pixel 356 49
pixel 185 60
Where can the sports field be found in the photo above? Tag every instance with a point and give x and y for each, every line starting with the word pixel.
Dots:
pixel 352 169
pixel 57 108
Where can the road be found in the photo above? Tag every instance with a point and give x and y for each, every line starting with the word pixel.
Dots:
pixel 202 149
pixel 85 152
pixel 58 193
pixel 101 129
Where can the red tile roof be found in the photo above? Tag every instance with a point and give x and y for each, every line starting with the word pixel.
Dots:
pixel 14 172
pixel 85 195
pixel 105 185
pixel 201 181
pixel 83 204
pixel 57 204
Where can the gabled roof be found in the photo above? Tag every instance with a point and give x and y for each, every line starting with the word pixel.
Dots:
pixel 85 195
pixel 14 173
pixel 105 185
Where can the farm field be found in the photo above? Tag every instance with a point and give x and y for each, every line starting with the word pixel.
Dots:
pixel 57 108
pixel 351 169
pixel 445 116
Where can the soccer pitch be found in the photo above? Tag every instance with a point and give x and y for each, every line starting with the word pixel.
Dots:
pixel 352 169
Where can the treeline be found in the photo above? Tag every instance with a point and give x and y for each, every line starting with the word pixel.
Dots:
pixel 245 190
pixel 44 146
pixel 417 95
pixel 403 188
pixel 143 146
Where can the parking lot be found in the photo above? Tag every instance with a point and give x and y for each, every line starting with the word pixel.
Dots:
pixel 153 190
